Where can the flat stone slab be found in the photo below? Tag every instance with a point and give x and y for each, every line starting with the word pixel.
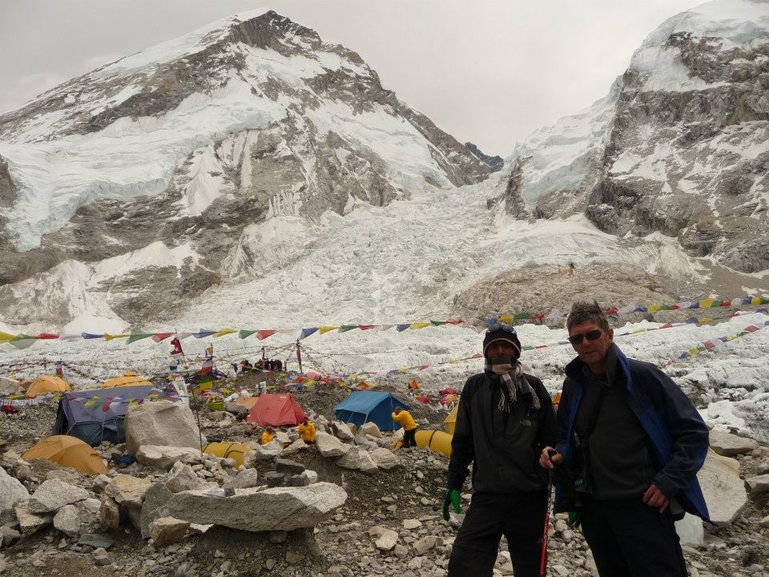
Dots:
pixel 259 508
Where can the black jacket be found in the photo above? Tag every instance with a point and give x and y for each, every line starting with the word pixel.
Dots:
pixel 503 447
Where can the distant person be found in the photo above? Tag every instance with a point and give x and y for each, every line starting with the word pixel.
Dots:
pixel 267 436
pixel 245 364
pixel 278 365
pixel 504 419
pixel 409 426
pixel 306 430
pixel 630 445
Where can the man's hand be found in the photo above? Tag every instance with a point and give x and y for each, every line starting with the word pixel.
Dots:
pixel 656 498
pixel 549 458
pixel 451 498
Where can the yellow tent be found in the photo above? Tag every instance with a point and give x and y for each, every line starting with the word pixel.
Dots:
pixel 234 451
pixel 47 384
pixel 125 381
pixel 451 420
pixel 68 451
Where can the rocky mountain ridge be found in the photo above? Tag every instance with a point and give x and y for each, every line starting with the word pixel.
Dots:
pixel 679 146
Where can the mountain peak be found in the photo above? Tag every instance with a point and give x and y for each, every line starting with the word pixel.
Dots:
pixel 200 141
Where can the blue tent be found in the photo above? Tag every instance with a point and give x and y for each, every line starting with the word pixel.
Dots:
pixel 364 406
pixel 97 415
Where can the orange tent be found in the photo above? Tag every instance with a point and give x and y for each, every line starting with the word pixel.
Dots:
pixel 127 380
pixel 47 384
pixel 68 451
pixel 276 411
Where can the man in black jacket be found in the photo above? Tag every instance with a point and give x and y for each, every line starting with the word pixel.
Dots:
pixel 630 445
pixel 505 418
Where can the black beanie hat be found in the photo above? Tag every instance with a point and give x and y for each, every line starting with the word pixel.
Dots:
pixel 502 334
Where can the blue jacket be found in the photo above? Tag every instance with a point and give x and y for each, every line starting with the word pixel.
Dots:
pixel 674 427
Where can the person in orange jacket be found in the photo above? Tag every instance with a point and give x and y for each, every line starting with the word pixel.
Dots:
pixel 267 436
pixel 409 426
pixel 306 430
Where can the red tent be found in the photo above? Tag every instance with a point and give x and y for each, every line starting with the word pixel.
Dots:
pixel 276 411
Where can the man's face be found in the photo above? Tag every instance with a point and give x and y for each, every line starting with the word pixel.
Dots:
pixel 593 350
pixel 500 349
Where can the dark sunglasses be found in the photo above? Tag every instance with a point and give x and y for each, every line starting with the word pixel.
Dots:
pixel 589 335
pixel 500 327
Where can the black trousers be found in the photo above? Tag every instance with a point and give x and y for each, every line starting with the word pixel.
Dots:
pixel 519 517
pixel 409 438
pixel 630 539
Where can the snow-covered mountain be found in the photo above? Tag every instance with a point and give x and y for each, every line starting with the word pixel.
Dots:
pixel 166 159
pixel 249 174
pixel 680 145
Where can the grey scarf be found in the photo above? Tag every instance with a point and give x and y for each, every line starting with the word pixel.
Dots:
pixel 513 380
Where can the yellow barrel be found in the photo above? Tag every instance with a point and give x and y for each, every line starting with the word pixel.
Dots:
pixel 438 441
pixel 234 451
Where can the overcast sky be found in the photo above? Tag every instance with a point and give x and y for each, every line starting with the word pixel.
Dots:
pixel 486 71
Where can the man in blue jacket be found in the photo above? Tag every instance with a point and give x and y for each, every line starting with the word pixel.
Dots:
pixel 504 419
pixel 630 445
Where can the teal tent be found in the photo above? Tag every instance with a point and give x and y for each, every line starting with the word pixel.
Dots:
pixel 370 406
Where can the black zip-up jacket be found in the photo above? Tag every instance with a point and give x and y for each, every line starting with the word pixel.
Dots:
pixel 503 447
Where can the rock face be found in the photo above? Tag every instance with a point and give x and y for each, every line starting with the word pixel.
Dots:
pixel 259 509
pixel 174 156
pixel 158 425
pixel 679 146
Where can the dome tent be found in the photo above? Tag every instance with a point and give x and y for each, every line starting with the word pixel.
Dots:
pixel 47 384
pixel 68 451
pixel 276 411
pixel 370 406
pixel 127 380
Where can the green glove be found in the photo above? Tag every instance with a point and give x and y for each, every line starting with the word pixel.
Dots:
pixel 452 498
pixel 575 518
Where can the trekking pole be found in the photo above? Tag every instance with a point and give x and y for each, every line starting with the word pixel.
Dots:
pixel 548 512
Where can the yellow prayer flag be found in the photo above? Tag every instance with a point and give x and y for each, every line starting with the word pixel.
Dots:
pixel 222 332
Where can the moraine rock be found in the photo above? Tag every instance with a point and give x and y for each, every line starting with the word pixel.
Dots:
pixel 759 484
pixel 329 446
pixel 724 491
pixel 11 492
pixel 53 494
pixel 729 445
pixel 357 459
pixel 161 423
pixel 167 530
pixel 279 508
pixel 165 457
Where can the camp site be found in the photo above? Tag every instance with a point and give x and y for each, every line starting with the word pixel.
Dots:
pixel 364 288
